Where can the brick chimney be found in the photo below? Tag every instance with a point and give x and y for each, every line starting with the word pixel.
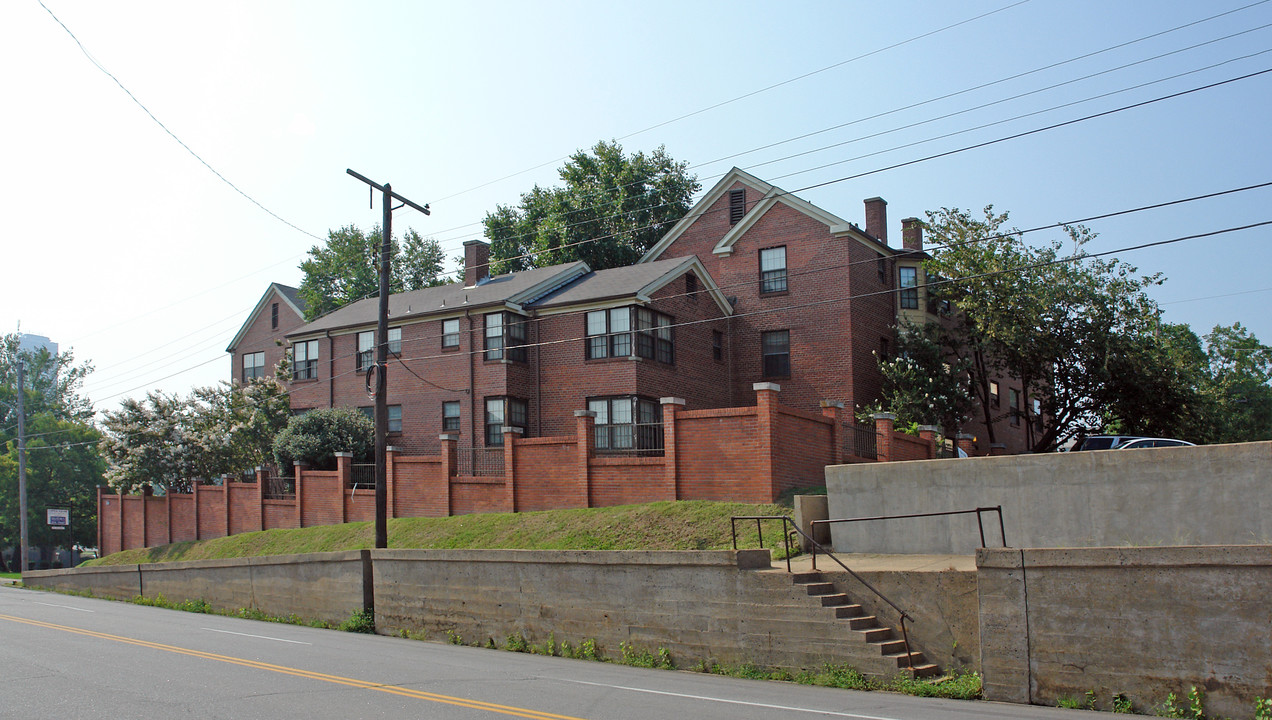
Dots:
pixel 476 262
pixel 877 218
pixel 912 234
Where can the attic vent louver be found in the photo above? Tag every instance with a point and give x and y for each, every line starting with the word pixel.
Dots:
pixel 737 205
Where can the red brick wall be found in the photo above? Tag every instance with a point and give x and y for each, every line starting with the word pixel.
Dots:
pixel 623 481
pixel 182 517
pixel 717 453
pixel 132 520
pixel 908 447
pixel 108 523
pixel 279 514
pixel 156 520
pixel 211 511
pixel 419 490
pixel 547 474
pixel 477 495
pixel 322 500
pixel 804 446
pixel 245 507
pixel 360 505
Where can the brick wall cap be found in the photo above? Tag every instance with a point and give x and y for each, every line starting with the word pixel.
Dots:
pixel 964 436
pixel 672 401
pixel 513 429
pixel 585 413
pixel 448 436
pixel 998 445
pixel 392 448
pixel 766 386
pixel 344 454
pixel 929 428
pixel 884 416
pixel 832 404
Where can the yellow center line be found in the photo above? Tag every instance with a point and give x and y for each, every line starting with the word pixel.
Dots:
pixel 297 672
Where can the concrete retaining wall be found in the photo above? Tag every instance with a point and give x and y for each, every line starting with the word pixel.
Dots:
pixel 1140 621
pixel 1210 495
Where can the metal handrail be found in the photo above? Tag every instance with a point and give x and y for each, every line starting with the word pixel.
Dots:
pixel 905 636
pixel 979 523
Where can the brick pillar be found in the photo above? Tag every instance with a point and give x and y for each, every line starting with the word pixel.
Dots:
pixel 194 500
pixel 928 434
pixel 996 449
pixel 146 492
pixel 448 466
pixel 298 475
pixel 765 489
pixel 884 423
pixel 262 476
pixel 670 406
pixel 344 471
pixel 510 437
pixel 101 549
pixel 834 409
pixel 167 508
pixel 225 500
pixel 584 437
pixel 390 489
pixel 964 442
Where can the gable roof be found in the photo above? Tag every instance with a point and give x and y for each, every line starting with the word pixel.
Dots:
pixel 638 281
pixel 770 196
pixel 516 289
pixel 289 294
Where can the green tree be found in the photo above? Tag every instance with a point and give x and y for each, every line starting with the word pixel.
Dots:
pixel 347 268
pixel 316 436
pixel 1240 368
pixel 612 209
pixel 63 467
pixel 1063 325
pixel 923 384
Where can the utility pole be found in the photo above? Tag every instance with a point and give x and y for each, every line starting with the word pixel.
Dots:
pixel 22 495
pixel 382 358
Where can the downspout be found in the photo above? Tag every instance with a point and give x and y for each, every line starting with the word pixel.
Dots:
pixel 538 378
pixel 331 371
pixel 472 400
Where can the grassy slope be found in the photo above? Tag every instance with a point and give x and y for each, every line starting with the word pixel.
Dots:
pixel 684 525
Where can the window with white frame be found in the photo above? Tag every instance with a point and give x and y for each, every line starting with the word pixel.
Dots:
pixel 450 415
pixel 305 360
pixel 505 337
pixel 366 350
pixel 626 423
pixel 450 333
pixel 610 334
pixel 501 411
pixel 395 340
pixel 253 365
pixel 773 270
pixel 908 281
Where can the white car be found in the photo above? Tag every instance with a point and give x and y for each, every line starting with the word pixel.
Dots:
pixel 1153 443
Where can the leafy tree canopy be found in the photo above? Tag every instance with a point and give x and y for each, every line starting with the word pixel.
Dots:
pixel 63 467
pixel 347 269
pixel 315 437
pixel 612 209
pixel 922 385
pixel 1067 326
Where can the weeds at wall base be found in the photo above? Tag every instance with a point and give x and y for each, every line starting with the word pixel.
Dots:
pixel 1172 707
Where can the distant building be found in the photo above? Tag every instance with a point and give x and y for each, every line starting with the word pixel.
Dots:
pixel 35 343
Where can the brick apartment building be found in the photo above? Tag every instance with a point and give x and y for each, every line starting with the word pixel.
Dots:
pixel 752 285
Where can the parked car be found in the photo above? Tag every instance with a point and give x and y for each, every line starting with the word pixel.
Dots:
pixel 1152 443
pixel 1104 442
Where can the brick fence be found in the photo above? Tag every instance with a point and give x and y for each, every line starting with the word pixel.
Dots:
pixel 747 454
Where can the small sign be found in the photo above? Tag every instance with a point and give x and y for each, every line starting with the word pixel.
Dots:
pixel 59 518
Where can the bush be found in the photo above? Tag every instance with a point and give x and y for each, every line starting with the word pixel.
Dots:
pixel 315 437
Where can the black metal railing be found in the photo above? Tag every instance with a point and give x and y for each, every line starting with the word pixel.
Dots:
pixel 786 537
pixel 278 486
pixel 362 476
pixel 629 440
pixel 978 512
pixel 860 440
pixel 479 461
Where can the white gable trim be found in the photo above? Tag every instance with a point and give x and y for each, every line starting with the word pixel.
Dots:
pixel 690 264
pixel 715 193
pixel 572 272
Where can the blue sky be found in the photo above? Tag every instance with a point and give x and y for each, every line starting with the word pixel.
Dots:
pixel 121 245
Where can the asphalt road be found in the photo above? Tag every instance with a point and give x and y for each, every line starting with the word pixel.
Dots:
pixel 71 657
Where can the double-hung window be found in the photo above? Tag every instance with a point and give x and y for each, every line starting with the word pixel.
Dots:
pixel 773 270
pixel 908 280
pixel 501 411
pixel 395 417
pixel 627 423
pixel 366 350
pixel 450 333
pixel 253 365
pixel 505 337
pixel 450 415
pixel 610 334
pixel 305 360
pixel 1013 398
pixel 776 351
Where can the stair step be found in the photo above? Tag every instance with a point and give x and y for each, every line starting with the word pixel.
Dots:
pixel 836 600
pixel 902 660
pixel 863 622
pixel 848 611
pixel 925 670
pixel 820 588
pixel 876 634
pixel 891 647
pixel 803 578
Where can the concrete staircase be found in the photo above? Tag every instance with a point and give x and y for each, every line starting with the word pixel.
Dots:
pixel 867 627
